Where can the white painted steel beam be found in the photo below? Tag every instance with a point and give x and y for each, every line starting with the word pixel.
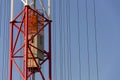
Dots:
pixel 47 13
pixel 24 2
pixel 49 9
pixel 43 8
pixel 12 10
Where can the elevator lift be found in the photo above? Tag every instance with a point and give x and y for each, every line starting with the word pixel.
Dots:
pixel 35 23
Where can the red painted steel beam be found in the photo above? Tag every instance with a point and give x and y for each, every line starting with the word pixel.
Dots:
pixel 49 55
pixel 37 65
pixel 26 43
pixel 11 51
pixel 18 28
pixel 18 34
pixel 18 50
pixel 19 70
pixel 19 15
pixel 38 31
pixel 37 48
pixel 43 61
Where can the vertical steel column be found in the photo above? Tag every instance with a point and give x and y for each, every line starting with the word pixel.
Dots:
pixel 11 40
pixel 26 43
pixel 49 55
pixel 49 31
pixel 11 50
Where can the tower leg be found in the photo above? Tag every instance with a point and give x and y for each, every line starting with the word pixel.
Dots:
pixel 49 55
pixel 26 43
pixel 11 50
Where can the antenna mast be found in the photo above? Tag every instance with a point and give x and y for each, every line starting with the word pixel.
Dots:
pixel 30 23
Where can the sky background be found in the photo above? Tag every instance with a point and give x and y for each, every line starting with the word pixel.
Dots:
pixel 65 40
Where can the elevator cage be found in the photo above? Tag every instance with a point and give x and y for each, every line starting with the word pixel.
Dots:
pixel 35 23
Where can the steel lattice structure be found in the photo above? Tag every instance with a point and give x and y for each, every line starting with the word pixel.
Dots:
pixel 21 23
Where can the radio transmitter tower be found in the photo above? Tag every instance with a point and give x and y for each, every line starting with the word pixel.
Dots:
pixel 30 23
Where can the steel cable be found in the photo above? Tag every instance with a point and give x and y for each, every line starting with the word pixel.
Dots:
pixel 4 40
pixel 69 32
pixel 63 31
pixel 68 39
pixel 54 40
pixel 96 42
pixel 7 36
pixel 78 28
pixel 86 2
pixel 0 16
pixel 60 34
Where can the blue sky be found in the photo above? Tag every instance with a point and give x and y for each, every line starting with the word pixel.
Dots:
pixel 108 40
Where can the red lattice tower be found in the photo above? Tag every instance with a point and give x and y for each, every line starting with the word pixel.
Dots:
pixel 29 21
